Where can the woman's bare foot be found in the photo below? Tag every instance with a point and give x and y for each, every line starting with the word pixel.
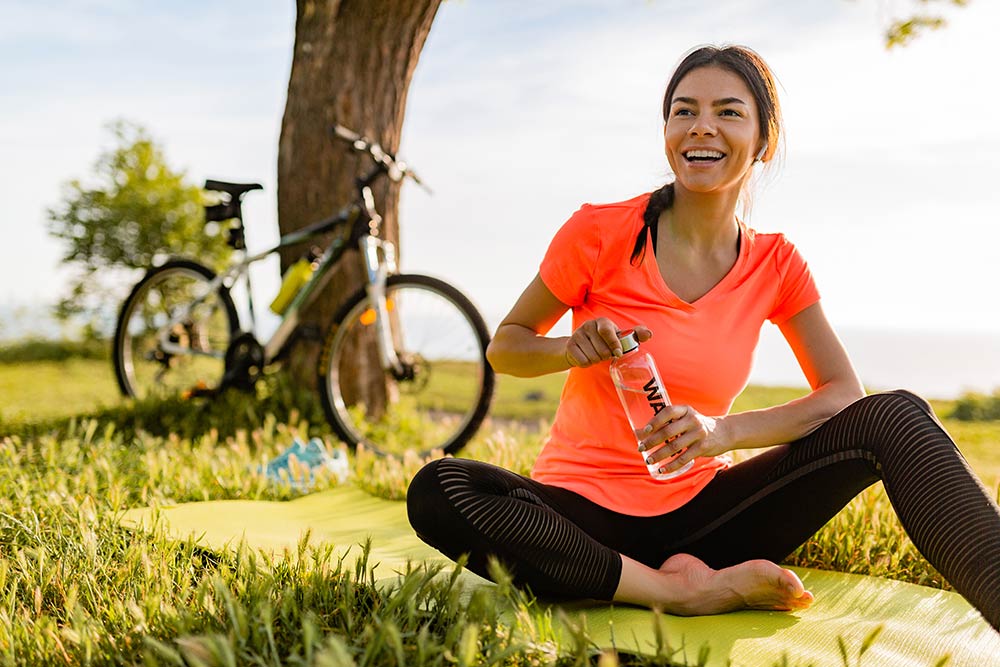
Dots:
pixel 686 586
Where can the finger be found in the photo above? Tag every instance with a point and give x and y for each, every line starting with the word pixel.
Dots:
pixel 668 423
pixel 670 458
pixel 608 334
pixel 674 440
pixel 573 356
pixel 683 457
pixel 676 436
pixel 642 333
pixel 587 347
pixel 673 413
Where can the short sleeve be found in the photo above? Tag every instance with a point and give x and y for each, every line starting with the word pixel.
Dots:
pixel 569 264
pixel 796 290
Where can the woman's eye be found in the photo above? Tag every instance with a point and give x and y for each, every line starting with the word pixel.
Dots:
pixel 683 112
pixel 731 112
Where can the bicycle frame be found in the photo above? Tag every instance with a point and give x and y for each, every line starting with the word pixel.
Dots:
pixel 363 223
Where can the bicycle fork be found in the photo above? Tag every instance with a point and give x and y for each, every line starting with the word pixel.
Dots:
pixel 378 269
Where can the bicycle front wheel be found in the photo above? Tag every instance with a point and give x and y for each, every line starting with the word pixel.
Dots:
pixel 441 395
pixel 173 332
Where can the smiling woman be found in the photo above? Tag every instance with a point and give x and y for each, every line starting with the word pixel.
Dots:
pixel 597 519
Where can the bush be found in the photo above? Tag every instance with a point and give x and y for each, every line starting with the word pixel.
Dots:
pixel 41 349
pixel 977 407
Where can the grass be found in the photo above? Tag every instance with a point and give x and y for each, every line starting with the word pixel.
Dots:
pixel 76 589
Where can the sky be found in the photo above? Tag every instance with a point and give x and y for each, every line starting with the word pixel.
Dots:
pixel 520 111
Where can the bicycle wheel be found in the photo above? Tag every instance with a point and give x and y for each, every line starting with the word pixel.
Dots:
pixel 445 389
pixel 153 357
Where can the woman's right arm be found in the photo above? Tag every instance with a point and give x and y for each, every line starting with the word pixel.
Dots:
pixel 520 346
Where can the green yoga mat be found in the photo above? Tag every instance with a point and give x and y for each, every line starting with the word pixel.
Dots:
pixel 919 624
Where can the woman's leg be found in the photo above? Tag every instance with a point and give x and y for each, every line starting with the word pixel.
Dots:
pixel 460 507
pixel 767 506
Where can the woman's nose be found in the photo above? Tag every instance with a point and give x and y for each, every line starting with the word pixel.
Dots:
pixel 702 125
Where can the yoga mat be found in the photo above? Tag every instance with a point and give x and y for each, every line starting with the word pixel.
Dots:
pixel 919 624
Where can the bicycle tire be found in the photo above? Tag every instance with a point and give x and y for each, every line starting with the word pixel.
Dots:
pixel 457 388
pixel 129 333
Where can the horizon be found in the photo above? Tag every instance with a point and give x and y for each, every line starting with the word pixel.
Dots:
pixel 519 113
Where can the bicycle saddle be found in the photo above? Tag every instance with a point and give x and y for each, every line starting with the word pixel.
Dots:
pixel 236 190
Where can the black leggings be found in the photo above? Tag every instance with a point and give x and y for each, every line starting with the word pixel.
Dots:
pixel 562 545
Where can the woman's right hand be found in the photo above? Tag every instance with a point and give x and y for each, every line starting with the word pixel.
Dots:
pixel 596 340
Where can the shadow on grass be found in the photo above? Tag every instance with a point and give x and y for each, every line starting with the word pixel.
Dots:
pixel 227 414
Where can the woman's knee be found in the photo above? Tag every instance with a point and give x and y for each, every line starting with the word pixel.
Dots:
pixel 424 497
pixel 914 399
pixel 893 419
pixel 896 400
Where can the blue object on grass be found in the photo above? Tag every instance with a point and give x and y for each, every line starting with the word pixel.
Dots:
pixel 310 457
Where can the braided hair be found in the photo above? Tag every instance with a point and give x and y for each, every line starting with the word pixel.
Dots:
pixel 659 201
pixel 749 66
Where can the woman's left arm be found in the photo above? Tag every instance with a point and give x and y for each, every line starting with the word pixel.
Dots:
pixel 834 382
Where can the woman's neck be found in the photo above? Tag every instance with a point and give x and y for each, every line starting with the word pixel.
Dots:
pixel 704 222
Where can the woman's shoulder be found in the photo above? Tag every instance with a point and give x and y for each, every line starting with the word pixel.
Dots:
pixel 637 203
pixel 611 217
pixel 767 242
pixel 772 248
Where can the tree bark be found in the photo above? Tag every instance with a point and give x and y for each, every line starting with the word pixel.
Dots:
pixel 352 64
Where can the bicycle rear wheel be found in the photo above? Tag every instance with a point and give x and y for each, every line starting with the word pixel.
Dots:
pixel 445 389
pixel 153 357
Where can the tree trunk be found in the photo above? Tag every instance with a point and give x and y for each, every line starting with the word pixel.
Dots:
pixel 352 65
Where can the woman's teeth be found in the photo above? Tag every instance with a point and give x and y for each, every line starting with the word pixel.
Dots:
pixel 703 155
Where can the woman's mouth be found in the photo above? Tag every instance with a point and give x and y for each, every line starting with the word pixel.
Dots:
pixel 703 156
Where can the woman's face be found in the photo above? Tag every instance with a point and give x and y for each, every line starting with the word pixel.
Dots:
pixel 712 132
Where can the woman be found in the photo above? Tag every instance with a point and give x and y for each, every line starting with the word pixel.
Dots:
pixel 697 285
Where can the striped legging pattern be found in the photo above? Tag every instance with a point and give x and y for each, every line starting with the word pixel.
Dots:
pixel 565 545
pixel 520 525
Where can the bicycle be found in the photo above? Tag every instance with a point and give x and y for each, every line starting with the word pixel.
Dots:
pixel 424 382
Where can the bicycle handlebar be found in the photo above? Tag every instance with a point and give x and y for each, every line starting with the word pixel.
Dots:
pixel 397 170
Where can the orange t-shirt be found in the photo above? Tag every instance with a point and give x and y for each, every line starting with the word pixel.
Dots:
pixel 704 350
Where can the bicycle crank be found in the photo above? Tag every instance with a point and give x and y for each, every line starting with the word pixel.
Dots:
pixel 244 363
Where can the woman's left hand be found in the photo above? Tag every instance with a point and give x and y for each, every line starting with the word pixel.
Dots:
pixel 681 427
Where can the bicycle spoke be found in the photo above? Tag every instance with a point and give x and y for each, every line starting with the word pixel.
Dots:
pixel 173 333
pixel 443 389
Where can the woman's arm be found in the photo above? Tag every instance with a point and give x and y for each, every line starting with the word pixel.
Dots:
pixel 521 348
pixel 834 382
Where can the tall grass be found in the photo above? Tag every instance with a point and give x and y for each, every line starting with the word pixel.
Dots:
pixel 77 589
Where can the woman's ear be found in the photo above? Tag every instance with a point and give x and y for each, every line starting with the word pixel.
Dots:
pixel 760 153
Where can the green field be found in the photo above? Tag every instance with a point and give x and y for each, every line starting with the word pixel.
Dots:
pixel 76 589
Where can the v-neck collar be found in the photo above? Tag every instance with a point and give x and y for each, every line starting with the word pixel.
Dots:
pixel 668 294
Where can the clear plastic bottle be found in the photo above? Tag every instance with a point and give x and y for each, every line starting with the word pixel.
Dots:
pixel 642 394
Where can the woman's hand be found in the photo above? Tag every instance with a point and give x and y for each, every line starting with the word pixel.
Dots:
pixel 596 340
pixel 683 429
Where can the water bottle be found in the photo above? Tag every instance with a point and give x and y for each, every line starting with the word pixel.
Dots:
pixel 642 395
pixel 297 275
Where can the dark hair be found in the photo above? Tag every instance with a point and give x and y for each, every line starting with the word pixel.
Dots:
pixel 749 66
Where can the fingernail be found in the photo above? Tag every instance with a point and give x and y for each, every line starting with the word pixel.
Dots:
pixel 649 460
pixel 642 447
pixel 663 471
pixel 647 429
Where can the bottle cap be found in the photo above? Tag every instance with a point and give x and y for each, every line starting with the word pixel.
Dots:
pixel 628 340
